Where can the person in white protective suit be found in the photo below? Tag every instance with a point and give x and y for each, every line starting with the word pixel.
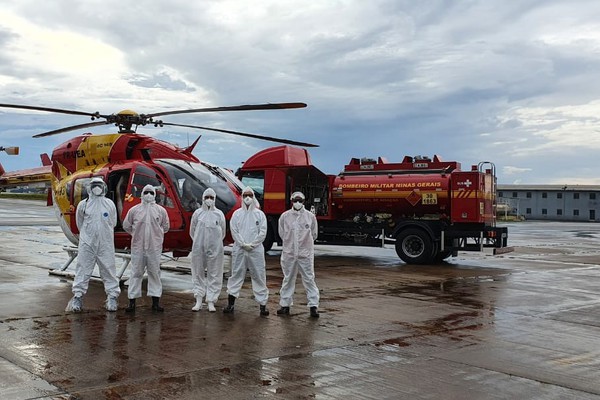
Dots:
pixel 249 228
pixel 147 224
pixel 298 231
pixel 96 218
pixel 207 230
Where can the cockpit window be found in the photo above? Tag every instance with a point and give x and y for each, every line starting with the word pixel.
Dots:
pixel 192 179
pixel 80 191
pixel 232 178
pixel 145 176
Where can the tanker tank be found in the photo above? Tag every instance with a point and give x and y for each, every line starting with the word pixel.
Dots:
pixel 416 187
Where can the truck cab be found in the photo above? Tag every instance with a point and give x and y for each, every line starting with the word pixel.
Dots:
pixel 277 172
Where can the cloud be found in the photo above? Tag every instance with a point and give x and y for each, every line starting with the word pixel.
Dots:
pixel 509 170
pixel 510 82
pixel 166 79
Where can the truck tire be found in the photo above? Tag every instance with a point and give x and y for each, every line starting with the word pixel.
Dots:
pixel 414 246
pixel 442 255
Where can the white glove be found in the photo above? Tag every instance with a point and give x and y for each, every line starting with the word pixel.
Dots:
pixel 247 247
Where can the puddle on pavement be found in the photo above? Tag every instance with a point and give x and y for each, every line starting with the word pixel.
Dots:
pixel 584 233
pixel 471 292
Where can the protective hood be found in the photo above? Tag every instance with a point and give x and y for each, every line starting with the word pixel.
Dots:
pixel 96 181
pixel 297 206
pixel 145 199
pixel 297 194
pixel 209 192
pixel 252 205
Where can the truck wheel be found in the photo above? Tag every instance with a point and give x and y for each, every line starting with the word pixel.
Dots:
pixel 414 246
pixel 442 255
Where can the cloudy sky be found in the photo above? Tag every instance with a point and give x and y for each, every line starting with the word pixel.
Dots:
pixel 512 82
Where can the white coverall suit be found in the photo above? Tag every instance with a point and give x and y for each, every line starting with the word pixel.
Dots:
pixel 298 231
pixel 96 218
pixel 147 224
pixel 207 230
pixel 248 227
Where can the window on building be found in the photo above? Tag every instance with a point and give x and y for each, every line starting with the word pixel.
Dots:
pixel 592 196
pixel 575 213
pixel 514 194
pixel 500 194
pixel 544 195
pixel 528 211
pixel 575 196
pixel 559 195
pixel 544 211
pixel 559 211
pixel 528 195
pixel 593 215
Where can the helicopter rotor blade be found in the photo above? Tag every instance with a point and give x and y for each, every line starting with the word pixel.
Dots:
pixel 48 109
pixel 126 120
pixel 247 107
pixel 71 128
pixel 250 135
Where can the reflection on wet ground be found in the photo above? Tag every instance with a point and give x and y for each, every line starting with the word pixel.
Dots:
pixel 522 325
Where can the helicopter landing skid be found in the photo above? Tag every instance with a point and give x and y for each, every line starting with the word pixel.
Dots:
pixel 72 252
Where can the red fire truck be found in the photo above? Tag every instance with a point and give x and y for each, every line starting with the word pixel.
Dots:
pixel 429 208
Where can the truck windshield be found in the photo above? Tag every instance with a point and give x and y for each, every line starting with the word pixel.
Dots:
pixel 256 180
pixel 192 179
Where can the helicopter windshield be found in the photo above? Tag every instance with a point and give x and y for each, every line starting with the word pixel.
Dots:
pixel 192 179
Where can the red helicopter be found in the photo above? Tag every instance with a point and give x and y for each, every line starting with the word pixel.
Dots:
pixel 128 161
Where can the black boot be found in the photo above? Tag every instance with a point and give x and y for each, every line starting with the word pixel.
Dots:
pixel 230 304
pixel 263 311
pixel 131 307
pixel 283 311
pixel 155 305
pixel 313 312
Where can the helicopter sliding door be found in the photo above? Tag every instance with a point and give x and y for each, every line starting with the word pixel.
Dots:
pixel 144 175
pixel 117 191
pixel 78 190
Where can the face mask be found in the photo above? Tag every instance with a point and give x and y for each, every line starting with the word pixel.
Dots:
pixel 248 200
pixel 148 198
pixel 97 191
pixel 297 205
pixel 209 202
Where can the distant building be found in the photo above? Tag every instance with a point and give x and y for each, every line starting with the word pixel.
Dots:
pixel 552 202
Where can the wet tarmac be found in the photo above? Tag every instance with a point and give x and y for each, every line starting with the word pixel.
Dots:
pixel 522 325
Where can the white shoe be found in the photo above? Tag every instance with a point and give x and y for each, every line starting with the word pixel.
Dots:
pixel 76 304
pixel 112 304
pixel 198 305
pixel 211 307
